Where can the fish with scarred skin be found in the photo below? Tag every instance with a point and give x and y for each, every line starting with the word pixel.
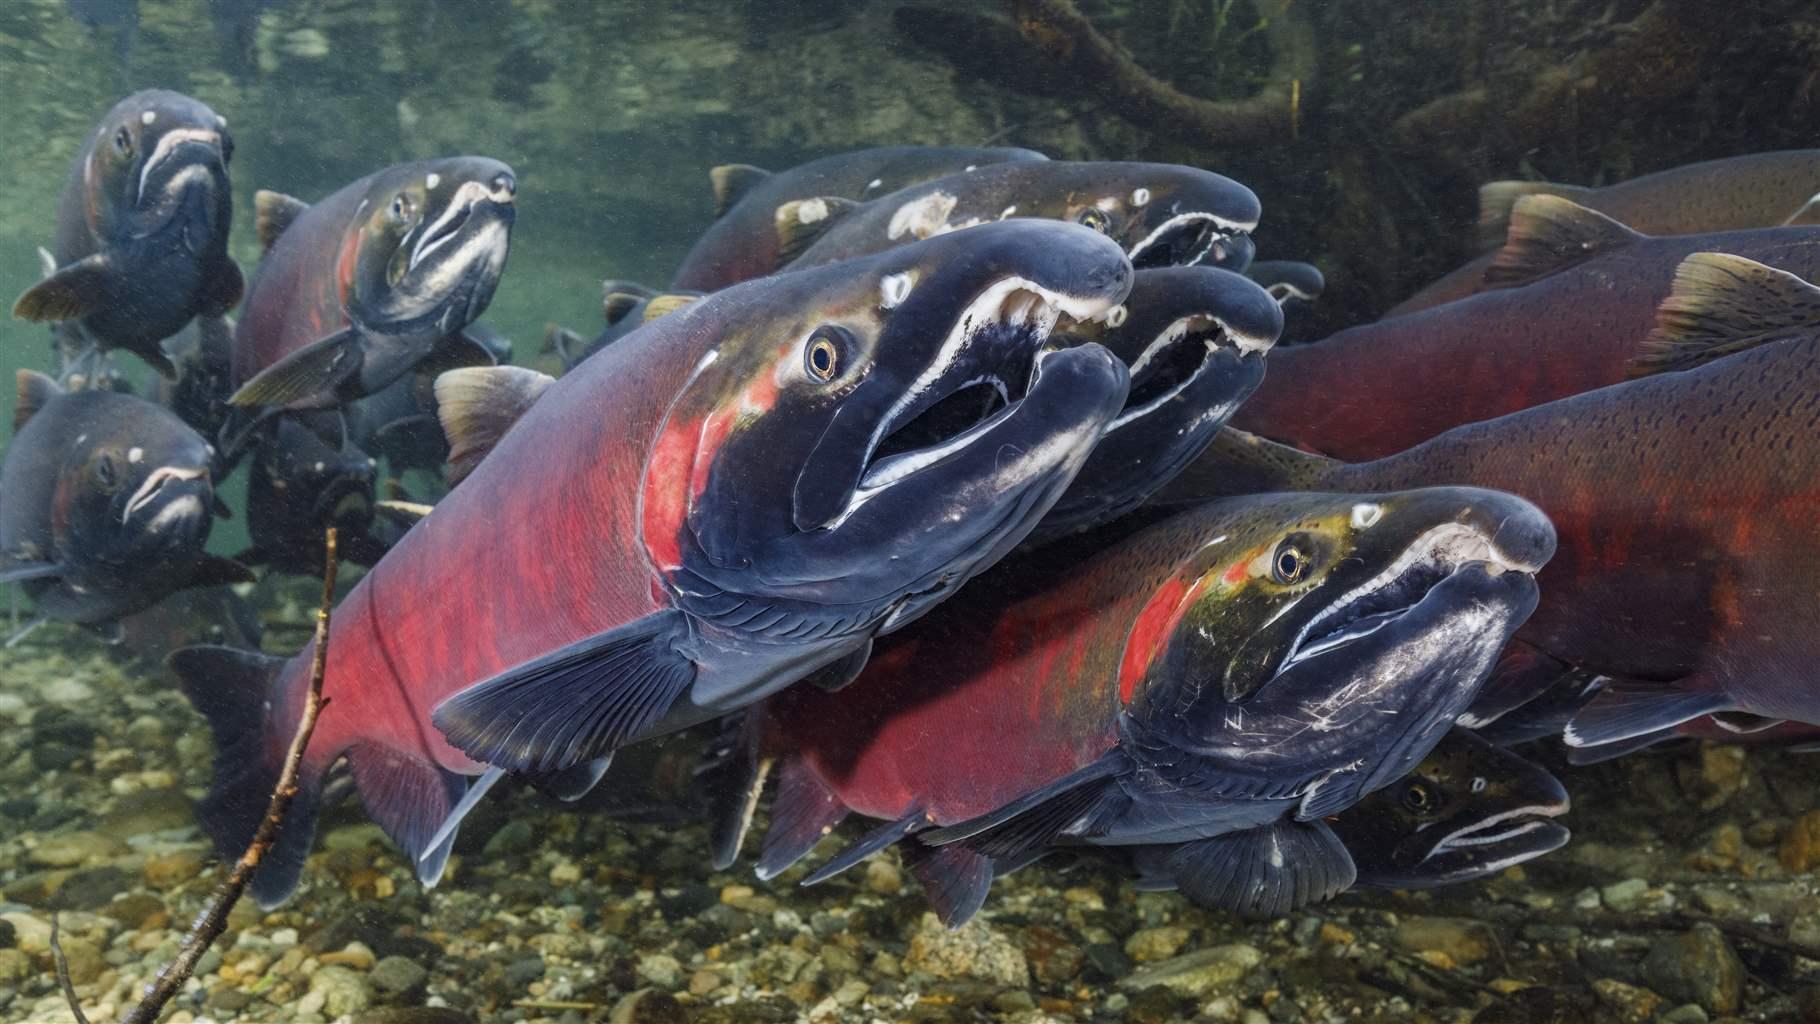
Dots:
pixel 706 512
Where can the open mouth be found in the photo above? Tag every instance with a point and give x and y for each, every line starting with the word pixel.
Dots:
pixel 930 424
pixel 1177 358
pixel 1388 596
pixel 153 489
pixel 1185 240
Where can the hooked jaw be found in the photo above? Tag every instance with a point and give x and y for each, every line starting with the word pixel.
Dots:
pixel 1188 239
pixel 176 498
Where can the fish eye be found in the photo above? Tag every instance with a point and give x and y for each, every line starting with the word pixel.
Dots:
pixel 1291 562
pixel 1416 797
pixel 822 355
pixel 123 141
pixel 403 208
pixel 106 473
pixel 1095 218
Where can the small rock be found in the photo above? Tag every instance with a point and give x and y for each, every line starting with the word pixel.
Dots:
pixel 1200 974
pixel 156 810
pixel 1697 966
pixel 91 888
pixel 1462 940
pixel 7 939
pixel 169 870
pixel 1690 1013
pixel 565 872
pixel 15 967
pixel 703 982
pixel 73 849
pixel 661 970
pixel 132 909
pixel 520 973
pixel 974 950
pixel 357 955
pixel 648 1006
pixel 1625 895
pixel 343 991
pixel 1629 1003
pixel 1148 945
pixel 398 979
pixel 1800 849
pixel 513 838
pixel 84 959
pixel 884 877
pixel 32 934
pixel 413 1015
pixel 66 690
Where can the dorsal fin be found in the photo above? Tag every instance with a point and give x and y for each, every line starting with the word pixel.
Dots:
pixel 1722 304
pixel 731 183
pixel 272 213
pixel 664 305
pixel 478 404
pixel 1497 198
pixel 617 298
pixel 801 221
pixel 34 389
pixel 1549 234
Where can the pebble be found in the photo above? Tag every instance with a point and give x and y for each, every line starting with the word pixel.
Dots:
pixel 974 950
pixel 343 991
pixel 1800 849
pixel 1462 940
pixel 1631 1004
pixel 1697 966
pixel 357 955
pixel 15 966
pixel 661 970
pixel 1200 974
pixel 398 979
pixel 73 849
pixel 648 1006
pixel 520 973
pixel 1689 1013
pixel 32 934
pixel 1148 945
pixel 169 870
pixel 66 690
pixel 1625 895
pixel 884 877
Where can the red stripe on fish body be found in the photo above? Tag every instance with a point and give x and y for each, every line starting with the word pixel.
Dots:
pixel 540 547
pixel 1685 505
pixel 1014 683
pixel 299 293
pixel 1374 390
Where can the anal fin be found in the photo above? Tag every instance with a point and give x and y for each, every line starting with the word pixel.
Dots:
pixel 803 812
pixel 954 878
pixel 1035 820
pixel 576 703
pixel 872 842
pixel 409 797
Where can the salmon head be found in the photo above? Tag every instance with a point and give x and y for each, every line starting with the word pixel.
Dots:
pixel 870 434
pixel 133 495
pixel 155 172
pixel 1194 340
pixel 1325 643
pixel 429 245
pixel 1468 810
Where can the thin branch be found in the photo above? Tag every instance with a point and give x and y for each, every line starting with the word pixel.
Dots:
pixel 212 921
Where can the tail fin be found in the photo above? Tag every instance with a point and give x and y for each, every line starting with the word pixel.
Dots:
pixel 236 690
pixel 1239 463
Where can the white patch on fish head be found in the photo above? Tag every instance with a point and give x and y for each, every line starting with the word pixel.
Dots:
pixel 1366 514
pixel 921 218
pixel 148 117
pixel 1140 196
pixel 894 289
pixel 1106 205
pixel 135 454
pixel 811 211
pixel 1007 212
pixel 1116 316
pixel 432 181
pixel 875 183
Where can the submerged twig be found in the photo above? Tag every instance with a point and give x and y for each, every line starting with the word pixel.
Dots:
pixel 212 921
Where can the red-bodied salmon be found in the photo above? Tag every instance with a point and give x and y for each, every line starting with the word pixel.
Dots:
pixel 1685 505
pixel 142 229
pixel 714 507
pixel 1218 684
pixel 358 289
pixel 742 243
pixel 1380 388
pixel 1759 190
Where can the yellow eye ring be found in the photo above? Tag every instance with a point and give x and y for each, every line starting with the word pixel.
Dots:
pixel 1095 218
pixel 821 360
pixel 1416 797
pixel 403 207
pixel 1289 564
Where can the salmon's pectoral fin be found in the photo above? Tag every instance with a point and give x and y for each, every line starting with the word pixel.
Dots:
pixel 576 703
pixel 1721 304
pixel 211 570
pixel 411 798
pixel 804 811
pixel 877 839
pixel 317 369
pixel 955 879
pixel 1034 821
pixel 1522 674
pixel 70 292
pixel 1627 709
pixel 19 572
pixel 237 691
pixel 1259 872
pixel 223 291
